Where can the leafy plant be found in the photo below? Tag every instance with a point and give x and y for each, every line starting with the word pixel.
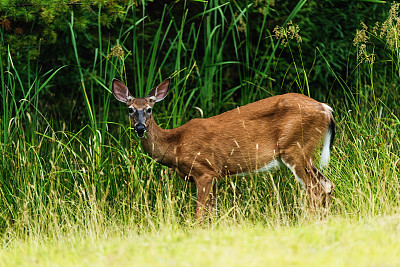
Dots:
pixel 70 162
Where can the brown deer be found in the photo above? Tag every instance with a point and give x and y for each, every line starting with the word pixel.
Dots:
pixel 279 130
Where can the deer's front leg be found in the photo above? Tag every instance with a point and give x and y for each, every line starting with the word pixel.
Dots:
pixel 205 196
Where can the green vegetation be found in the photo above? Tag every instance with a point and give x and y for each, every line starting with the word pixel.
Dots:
pixel 337 242
pixel 74 178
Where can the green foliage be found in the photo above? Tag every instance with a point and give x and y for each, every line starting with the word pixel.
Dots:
pixel 332 242
pixel 69 157
pixel 38 31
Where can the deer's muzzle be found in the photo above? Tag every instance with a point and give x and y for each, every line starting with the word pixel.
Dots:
pixel 140 129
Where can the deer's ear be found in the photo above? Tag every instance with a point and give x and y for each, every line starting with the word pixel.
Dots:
pixel 120 91
pixel 160 92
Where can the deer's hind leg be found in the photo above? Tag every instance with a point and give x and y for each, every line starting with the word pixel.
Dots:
pixel 318 187
pixel 327 186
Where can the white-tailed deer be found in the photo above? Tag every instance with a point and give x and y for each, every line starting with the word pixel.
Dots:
pixel 283 129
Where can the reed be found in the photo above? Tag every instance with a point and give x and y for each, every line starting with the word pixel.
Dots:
pixel 60 177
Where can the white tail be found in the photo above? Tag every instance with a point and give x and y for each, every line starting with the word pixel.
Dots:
pixel 256 137
pixel 328 140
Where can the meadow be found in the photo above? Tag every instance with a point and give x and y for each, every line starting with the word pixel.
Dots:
pixel 337 242
pixel 76 187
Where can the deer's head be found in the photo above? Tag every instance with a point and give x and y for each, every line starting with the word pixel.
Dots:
pixel 140 108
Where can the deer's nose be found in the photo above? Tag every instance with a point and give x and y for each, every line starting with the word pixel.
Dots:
pixel 140 129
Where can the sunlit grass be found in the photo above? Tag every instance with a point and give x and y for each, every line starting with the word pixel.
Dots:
pixel 85 193
pixel 332 242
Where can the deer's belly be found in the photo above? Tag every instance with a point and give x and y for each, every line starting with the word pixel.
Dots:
pixel 272 165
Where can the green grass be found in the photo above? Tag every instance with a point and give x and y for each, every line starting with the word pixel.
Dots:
pixel 83 192
pixel 331 242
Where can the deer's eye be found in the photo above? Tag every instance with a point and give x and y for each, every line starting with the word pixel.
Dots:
pixel 131 110
pixel 148 110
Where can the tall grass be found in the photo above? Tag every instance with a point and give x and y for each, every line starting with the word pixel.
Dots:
pixel 55 180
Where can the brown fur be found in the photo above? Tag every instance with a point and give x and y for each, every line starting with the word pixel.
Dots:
pixel 285 127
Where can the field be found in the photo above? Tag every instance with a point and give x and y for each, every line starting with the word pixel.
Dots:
pixel 332 242
pixel 77 188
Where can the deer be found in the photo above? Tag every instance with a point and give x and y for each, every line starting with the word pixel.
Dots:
pixel 281 130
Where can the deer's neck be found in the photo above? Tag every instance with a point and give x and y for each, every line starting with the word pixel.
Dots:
pixel 159 143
